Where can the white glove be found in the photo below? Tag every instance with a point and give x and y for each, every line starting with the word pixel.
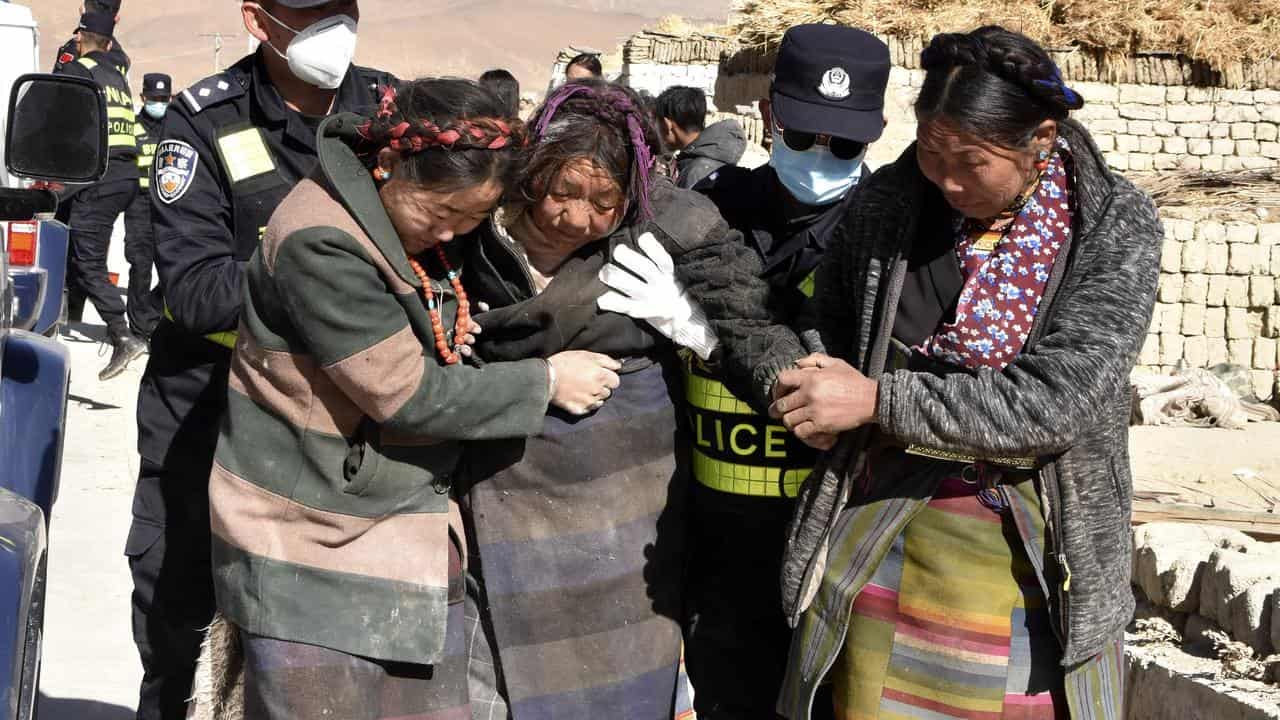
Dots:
pixel 644 287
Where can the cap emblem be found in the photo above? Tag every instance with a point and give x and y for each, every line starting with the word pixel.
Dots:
pixel 835 84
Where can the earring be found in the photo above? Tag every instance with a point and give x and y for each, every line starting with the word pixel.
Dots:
pixel 381 175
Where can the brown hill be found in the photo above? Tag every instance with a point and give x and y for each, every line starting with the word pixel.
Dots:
pixel 418 37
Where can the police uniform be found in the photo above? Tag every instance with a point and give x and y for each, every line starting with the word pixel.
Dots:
pixel 144 303
pixel 229 152
pixel 70 52
pixel 749 468
pixel 92 211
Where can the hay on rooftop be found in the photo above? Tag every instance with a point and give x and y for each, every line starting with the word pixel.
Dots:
pixel 1219 32
pixel 1230 189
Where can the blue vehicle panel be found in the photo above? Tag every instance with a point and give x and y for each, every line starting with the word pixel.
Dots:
pixel 51 256
pixel 22 556
pixel 33 407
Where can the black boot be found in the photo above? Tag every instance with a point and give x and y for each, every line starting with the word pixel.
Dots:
pixel 125 348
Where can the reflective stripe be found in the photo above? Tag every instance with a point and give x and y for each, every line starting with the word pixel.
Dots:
pixel 88 62
pixel 807 286
pixel 245 154
pixel 226 339
pixel 116 112
pixel 121 141
pixel 144 182
pixel 735 449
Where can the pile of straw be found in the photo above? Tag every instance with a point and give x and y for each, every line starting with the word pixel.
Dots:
pixel 1231 189
pixel 1218 32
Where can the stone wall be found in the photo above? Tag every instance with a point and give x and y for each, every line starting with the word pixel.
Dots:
pixel 1219 298
pixel 1211 582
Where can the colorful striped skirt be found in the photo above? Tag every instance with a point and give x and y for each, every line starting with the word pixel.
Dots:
pixel 953 623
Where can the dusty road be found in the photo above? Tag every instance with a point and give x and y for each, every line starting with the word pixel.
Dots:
pixel 91 669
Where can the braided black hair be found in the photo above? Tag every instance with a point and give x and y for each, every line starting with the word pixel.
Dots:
pixel 450 133
pixel 992 83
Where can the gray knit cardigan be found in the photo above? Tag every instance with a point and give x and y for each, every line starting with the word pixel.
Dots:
pixel 1064 400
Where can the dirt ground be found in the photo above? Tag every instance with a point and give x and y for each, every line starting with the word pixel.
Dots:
pixel 422 37
pixel 1228 469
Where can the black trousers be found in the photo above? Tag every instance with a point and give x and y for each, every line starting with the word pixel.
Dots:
pixel 92 213
pixel 169 558
pixel 144 305
pixel 736 637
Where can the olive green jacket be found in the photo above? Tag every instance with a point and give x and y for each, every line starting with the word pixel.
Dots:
pixel 329 496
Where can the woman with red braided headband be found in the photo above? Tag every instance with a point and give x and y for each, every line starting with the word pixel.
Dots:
pixel 338 548
pixel 579 531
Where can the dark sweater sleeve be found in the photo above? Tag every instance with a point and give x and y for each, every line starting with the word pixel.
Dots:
pixel 722 275
pixel 1042 401
pixel 360 336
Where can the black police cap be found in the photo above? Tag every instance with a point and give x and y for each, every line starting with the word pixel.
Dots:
pixel 157 85
pixel 831 79
pixel 98 22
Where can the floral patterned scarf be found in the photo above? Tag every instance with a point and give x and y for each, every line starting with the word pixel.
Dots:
pixel 1006 263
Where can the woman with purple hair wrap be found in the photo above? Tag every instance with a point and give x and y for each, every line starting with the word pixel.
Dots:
pixel 577 535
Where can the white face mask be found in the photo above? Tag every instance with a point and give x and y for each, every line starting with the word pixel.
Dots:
pixel 321 52
pixel 814 176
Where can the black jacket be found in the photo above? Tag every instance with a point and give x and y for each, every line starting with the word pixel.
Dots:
pixel 1064 400
pixel 122 148
pixel 229 152
pixel 717 145
pixel 70 50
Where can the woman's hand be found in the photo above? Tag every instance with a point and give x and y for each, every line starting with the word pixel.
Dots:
pixel 823 397
pixel 583 380
pixel 465 342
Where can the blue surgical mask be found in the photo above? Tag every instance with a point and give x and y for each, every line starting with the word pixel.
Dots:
pixel 814 176
pixel 155 108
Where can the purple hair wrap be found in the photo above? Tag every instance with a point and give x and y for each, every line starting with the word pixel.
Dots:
pixel 642 154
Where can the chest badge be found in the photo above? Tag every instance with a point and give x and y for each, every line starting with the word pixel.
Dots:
pixel 174 169
pixel 835 84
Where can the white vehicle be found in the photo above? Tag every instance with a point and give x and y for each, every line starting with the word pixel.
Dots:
pixel 19 55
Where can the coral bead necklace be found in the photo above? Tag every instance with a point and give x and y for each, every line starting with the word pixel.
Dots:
pixel 462 323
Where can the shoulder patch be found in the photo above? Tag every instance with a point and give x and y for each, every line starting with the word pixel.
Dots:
pixel 211 91
pixel 174 169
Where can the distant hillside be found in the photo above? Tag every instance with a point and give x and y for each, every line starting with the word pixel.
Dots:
pixel 422 37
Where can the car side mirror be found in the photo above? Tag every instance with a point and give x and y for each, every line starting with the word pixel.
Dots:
pixel 57 129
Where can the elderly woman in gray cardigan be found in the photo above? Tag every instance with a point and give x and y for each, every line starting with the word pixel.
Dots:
pixel 962 548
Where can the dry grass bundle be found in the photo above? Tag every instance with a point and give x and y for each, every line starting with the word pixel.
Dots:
pixel 1215 31
pixel 1232 189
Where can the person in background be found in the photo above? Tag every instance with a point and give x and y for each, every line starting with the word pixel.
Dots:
pixel 116 54
pixel 681 113
pixel 963 549
pixel 144 304
pixel 826 105
pixel 92 211
pixel 231 148
pixel 503 84
pixel 582 66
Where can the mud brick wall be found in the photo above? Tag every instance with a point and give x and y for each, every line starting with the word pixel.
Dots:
pixel 1219 298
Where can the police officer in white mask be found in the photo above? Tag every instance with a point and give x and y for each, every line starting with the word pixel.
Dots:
pixel 231 147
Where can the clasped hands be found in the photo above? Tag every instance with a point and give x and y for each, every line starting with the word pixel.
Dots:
pixel 822 397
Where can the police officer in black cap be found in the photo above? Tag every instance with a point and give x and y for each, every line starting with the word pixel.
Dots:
pixel 145 304
pixel 92 211
pixel 826 106
pixel 231 148
pixel 70 49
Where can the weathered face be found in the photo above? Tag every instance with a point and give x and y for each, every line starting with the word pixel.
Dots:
pixel 978 178
pixel 582 204
pixel 425 218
